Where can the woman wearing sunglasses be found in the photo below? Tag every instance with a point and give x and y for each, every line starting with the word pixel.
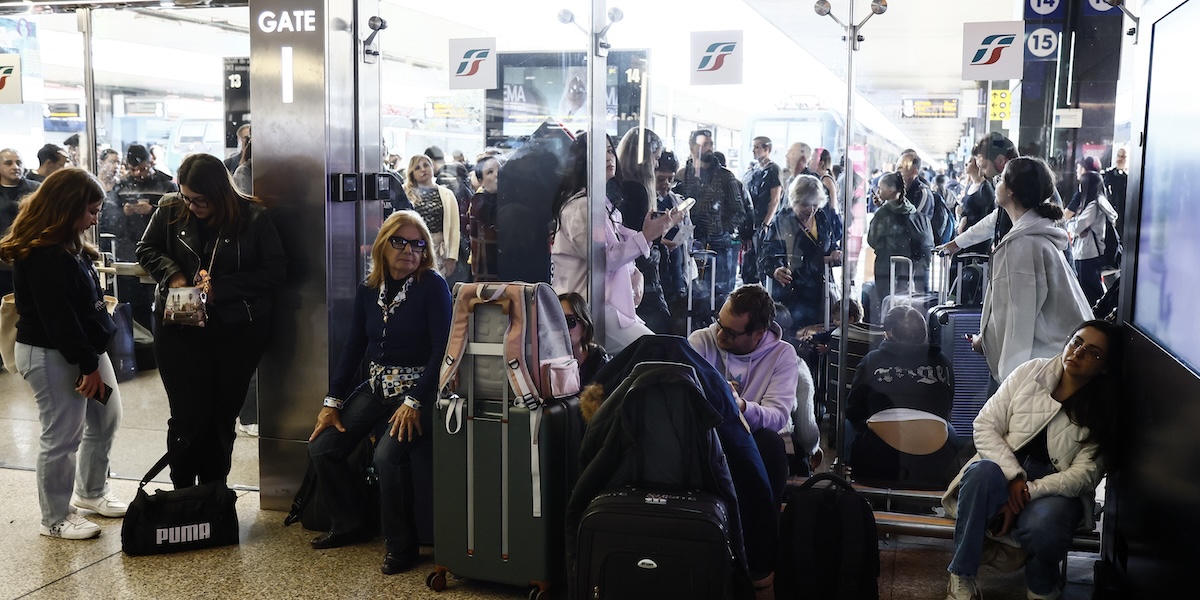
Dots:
pixel 210 236
pixel 1042 439
pixel 400 325
pixel 590 355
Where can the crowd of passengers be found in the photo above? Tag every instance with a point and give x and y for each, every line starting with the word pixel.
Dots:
pixel 1019 484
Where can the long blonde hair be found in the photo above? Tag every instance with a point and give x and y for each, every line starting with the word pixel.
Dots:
pixel 635 157
pixel 47 217
pixel 410 184
pixel 398 219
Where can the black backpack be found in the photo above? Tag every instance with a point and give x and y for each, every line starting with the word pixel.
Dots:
pixel 1113 251
pixel 309 506
pixel 828 546
pixel 942 221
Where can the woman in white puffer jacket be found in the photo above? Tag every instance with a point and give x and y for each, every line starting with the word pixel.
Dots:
pixel 1041 442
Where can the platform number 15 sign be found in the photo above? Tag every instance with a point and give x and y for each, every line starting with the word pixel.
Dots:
pixel 1041 42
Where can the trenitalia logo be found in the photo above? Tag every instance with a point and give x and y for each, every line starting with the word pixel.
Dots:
pixel 996 44
pixel 5 73
pixel 714 57
pixel 470 63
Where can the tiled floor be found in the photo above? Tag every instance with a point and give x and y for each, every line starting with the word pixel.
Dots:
pixel 274 561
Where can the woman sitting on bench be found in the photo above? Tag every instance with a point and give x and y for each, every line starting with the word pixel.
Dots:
pixel 1042 439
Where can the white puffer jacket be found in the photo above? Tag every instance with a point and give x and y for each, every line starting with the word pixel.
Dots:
pixel 1019 410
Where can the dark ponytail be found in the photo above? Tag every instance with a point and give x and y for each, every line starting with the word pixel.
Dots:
pixel 1048 210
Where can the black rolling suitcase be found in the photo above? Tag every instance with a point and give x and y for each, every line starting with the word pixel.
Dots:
pixel 703 317
pixel 642 544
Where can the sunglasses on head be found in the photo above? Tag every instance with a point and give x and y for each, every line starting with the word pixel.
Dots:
pixel 400 243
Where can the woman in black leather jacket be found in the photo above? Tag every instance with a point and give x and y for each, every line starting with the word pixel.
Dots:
pixel 213 237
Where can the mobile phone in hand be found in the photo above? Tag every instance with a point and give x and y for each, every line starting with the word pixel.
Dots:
pixel 102 395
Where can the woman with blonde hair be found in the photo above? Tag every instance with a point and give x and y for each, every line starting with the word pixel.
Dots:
pixel 439 209
pixel 400 324
pixel 62 332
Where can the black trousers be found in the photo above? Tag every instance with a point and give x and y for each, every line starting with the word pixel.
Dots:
pixel 403 467
pixel 206 371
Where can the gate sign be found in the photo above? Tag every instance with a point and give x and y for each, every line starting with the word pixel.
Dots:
pixel 1045 10
pixel 991 51
pixel 1041 42
pixel 716 57
pixel 473 64
pixel 10 79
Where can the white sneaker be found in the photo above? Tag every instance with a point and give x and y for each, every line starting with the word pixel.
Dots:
pixel 74 527
pixel 107 505
pixel 962 588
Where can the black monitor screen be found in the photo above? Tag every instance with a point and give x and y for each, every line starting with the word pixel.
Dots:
pixel 536 87
pixel 1167 285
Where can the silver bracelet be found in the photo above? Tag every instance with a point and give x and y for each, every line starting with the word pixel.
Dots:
pixel 332 402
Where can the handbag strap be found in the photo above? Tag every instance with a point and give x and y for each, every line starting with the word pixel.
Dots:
pixel 156 469
pixel 213 259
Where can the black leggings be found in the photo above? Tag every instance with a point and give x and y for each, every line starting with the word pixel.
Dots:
pixel 206 371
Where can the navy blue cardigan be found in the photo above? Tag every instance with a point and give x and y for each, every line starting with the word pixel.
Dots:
pixel 416 335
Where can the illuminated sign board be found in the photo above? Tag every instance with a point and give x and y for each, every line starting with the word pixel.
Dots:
pixel 929 108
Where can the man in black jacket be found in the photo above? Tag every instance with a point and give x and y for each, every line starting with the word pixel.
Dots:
pixel 127 213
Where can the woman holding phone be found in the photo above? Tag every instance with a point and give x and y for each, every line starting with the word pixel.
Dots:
pixel 62 332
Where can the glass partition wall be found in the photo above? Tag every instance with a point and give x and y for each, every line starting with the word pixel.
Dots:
pixel 726 107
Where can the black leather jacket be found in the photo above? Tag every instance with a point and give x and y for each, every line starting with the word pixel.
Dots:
pixel 247 269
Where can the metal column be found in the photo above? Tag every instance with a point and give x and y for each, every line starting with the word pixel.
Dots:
pixel 314 106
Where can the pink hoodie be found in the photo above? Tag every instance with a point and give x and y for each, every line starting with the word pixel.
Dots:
pixel 766 377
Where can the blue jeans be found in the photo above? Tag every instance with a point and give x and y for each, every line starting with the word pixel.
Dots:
pixel 363 414
pixel 77 433
pixel 1044 528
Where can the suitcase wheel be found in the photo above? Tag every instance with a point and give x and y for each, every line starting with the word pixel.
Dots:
pixel 537 593
pixel 436 581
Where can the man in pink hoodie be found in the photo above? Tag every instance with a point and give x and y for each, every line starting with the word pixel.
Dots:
pixel 747 347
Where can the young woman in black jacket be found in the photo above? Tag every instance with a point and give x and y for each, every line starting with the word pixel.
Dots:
pixel 210 236
pixel 62 333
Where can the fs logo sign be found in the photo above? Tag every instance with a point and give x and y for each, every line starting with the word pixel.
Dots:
pixel 472 64
pixel 716 57
pixel 10 79
pixel 988 53
pixel 990 49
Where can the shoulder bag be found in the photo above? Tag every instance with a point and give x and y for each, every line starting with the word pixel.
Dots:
pixel 201 516
pixel 188 305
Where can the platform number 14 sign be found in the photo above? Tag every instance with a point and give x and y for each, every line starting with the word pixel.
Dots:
pixel 1044 7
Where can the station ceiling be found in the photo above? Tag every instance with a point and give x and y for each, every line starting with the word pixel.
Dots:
pixel 912 51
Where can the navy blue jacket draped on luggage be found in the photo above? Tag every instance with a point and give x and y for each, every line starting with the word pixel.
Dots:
pixel 757 512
